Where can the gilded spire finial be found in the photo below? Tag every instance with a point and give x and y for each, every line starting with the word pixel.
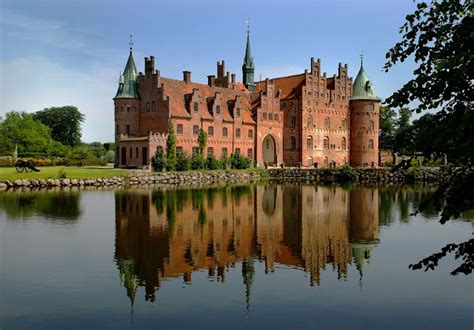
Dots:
pixel 130 43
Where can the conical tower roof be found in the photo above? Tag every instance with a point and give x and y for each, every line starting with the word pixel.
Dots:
pixel 363 88
pixel 248 59
pixel 128 81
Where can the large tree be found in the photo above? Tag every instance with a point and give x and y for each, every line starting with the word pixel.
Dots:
pixel 438 35
pixel 29 135
pixel 64 122
pixel 387 127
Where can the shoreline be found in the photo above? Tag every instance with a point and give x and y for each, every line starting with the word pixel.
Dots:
pixel 276 175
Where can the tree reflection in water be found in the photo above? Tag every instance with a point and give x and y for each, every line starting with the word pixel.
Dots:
pixel 57 205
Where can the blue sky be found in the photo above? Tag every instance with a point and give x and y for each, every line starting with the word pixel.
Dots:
pixel 55 53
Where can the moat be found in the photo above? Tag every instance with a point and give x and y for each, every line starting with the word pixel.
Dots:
pixel 261 256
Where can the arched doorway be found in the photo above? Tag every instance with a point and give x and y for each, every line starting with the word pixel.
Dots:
pixel 269 150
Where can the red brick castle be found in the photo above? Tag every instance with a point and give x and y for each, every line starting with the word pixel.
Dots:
pixel 306 119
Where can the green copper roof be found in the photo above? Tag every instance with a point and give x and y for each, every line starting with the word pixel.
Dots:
pixel 128 81
pixel 361 253
pixel 363 89
pixel 248 59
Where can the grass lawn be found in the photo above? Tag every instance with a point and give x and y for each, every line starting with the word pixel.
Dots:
pixel 52 172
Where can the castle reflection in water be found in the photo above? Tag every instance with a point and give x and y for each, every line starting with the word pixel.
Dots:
pixel 170 233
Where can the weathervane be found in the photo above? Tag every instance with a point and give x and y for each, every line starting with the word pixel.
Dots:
pixel 248 25
pixel 131 42
pixel 361 58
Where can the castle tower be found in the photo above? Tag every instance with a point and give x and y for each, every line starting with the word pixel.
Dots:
pixel 127 104
pixel 364 111
pixel 248 68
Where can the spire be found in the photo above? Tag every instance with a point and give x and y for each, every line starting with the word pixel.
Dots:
pixel 128 80
pixel 363 88
pixel 248 67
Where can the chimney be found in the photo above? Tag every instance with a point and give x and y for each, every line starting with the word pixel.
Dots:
pixel 187 77
pixel 220 69
pixel 233 78
pixel 211 80
pixel 149 65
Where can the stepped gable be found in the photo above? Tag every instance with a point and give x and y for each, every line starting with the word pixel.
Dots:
pixel 177 89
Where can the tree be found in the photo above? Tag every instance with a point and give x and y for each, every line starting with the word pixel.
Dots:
pixel 64 122
pixel 387 127
pixel 158 162
pixel 171 147
pixel 403 139
pixel 439 36
pixel 202 139
pixel 19 128
pixel 183 162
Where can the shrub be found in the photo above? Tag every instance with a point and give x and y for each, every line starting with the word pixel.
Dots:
pixel 158 162
pixel 225 161
pixel 182 162
pixel 198 162
pixel 237 161
pixel 212 163
pixel 110 156
pixel 62 173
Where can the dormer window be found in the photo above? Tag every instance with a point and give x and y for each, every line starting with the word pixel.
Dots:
pixel 196 107
pixel 238 112
pixel 218 109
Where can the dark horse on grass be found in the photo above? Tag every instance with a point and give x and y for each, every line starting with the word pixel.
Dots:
pixel 27 166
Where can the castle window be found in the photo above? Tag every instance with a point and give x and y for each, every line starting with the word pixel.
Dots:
pixel 270 116
pixel 326 161
pixel 127 129
pixel 224 152
pixel 276 117
pixel 371 144
pixel 292 143
pixel 370 107
pixel 153 109
pixel 128 109
pixel 159 149
pixel 148 107
pixel 292 121
pixel 136 152
pixel 195 130
pixel 343 143
pixel 224 131
pixel 250 134
pixel 195 151
pixel 344 124
pixel 210 151
pixel 371 125
pixel 326 142
pixel 179 129
pixel 264 116
pixel 238 112
pixel 327 123
pixel 210 131
pixel 116 129
pixel 218 109
pixel 134 109
pixel 310 122
pixel 131 152
pixel 309 142
pixel 196 107
pixel 237 150
pixel 179 150
pixel 250 153
pixel 237 133
pixel 121 109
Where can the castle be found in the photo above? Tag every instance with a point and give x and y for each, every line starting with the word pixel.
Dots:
pixel 307 119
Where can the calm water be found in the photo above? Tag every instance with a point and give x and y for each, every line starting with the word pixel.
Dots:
pixel 258 257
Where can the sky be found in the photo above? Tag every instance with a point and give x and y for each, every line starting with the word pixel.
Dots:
pixel 55 53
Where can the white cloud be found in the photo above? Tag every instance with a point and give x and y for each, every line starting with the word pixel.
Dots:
pixel 32 84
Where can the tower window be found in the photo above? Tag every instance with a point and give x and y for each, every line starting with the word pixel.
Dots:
pixel 309 142
pixel 327 123
pixel 218 109
pixel 238 112
pixel 370 107
pixel 292 143
pixel 343 144
pixel 127 129
pixel 292 121
pixel 371 144
pixel 196 107
pixel 371 125
pixel 310 122
pixel 344 124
